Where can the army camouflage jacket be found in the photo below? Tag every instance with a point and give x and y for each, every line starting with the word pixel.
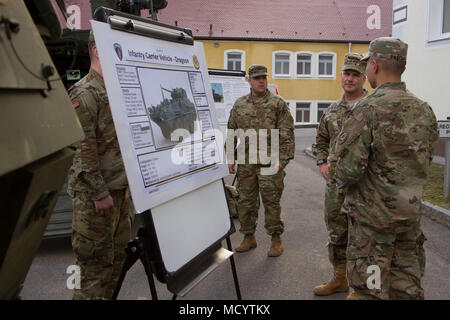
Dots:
pixel 267 112
pixel 97 165
pixel 329 127
pixel 384 151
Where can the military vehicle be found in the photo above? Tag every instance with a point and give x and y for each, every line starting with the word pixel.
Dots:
pixel 70 53
pixel 39 60
pixel 71 58
pixel 175 113
pixel 37 126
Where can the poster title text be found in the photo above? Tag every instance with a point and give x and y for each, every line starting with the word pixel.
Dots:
pixel 146 56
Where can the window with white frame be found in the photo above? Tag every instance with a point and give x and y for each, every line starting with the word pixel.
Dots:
pixel 281 64
pixel 400 15
pixel 302 111
pixel 234 60
pixel 321 108
pixel 438 24
pixel 326 64
pixel 304 64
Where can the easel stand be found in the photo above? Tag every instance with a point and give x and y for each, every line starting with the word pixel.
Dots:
pixel 179 236
pixel 136 249
pixel 141 248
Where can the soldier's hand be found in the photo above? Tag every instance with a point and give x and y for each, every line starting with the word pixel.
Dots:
pixel 231 169
pixel 104 205
pixel 324 167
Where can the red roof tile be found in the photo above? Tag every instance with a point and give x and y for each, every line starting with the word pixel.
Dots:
pixel 326 20
pixel 330 20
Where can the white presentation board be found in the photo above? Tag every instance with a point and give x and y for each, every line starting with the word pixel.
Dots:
pixel 226 90
pixel 188 225
pixel 142 75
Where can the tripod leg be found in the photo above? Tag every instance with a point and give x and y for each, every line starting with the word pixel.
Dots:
pixel 233 269
pixel 149 272
pixel 129 262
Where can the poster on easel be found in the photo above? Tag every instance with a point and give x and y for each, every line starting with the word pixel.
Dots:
pixel 226 89
pixel 163 112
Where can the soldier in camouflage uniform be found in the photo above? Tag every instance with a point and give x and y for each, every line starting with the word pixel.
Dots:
pixel 384 151
pixel 99 189
pixel 352 81
pixel 260 111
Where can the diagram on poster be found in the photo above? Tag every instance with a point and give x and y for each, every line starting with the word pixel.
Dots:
pixel 164 114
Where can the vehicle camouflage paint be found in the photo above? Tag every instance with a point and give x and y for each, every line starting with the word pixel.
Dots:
pixel 37 126
pixel 175 113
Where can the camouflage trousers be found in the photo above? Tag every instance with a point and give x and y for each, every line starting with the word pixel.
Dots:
pixel 337 225
pixel 385 265
pixel 98 242
pixel 250 183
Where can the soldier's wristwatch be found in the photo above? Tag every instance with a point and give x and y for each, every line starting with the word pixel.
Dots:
pixel 321 161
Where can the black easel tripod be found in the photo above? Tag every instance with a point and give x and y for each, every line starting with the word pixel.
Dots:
pixel 144 247
pixel 137 249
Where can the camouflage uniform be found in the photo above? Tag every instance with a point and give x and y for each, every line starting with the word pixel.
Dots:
pixel 330 125
pixel 384 152
pixel 266 112
pixel 98 240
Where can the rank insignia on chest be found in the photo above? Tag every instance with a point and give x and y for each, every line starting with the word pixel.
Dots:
pixel 343 137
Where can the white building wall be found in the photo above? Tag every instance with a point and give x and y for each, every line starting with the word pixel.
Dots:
pixel 427 72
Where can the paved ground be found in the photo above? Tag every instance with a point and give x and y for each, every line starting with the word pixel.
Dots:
pixel 291 276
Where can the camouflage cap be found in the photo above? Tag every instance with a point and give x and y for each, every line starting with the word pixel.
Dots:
pixel 352 61
pixel 387 48
pixel 257 70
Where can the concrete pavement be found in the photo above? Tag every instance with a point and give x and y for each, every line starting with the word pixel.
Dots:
pixel 292 276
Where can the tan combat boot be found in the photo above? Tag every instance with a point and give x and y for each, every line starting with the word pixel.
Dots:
pixel 337 284
pixel 276 247
pixel 352 296
pixel 248 243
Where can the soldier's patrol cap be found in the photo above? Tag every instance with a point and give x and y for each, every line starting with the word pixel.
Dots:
pixel 257 70
pixel 352 61
pixel 387 48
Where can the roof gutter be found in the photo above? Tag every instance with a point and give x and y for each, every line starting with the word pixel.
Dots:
pixel 280 40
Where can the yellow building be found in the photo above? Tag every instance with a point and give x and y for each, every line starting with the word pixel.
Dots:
pixel 302 42
pixel 307 75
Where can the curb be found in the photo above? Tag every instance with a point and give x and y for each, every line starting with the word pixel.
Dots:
pixel 436 213
pixel 308 151
pixel 432 211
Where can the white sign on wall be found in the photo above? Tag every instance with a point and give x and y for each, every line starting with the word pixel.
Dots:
pixel 444 128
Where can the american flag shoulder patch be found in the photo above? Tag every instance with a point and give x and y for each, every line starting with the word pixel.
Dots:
pixel 75 104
